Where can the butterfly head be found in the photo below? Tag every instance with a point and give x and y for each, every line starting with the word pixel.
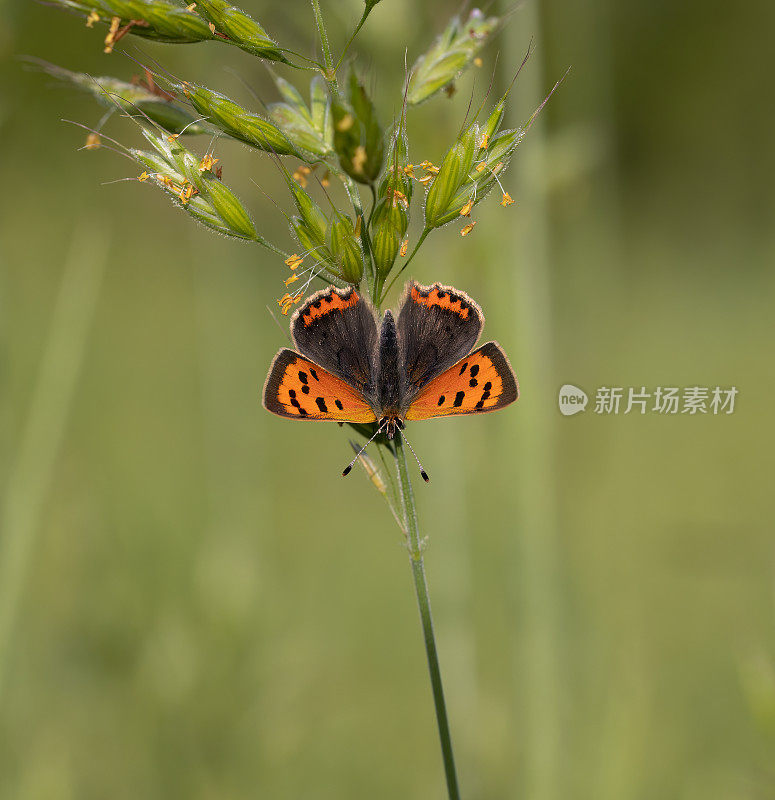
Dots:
pixel 390 423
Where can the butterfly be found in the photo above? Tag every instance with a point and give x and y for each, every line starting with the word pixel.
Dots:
pixel 419 365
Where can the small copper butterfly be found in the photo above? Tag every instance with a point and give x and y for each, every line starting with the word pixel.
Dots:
pixel 417 366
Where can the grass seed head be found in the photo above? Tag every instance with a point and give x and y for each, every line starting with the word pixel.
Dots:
pixel 238 122
pixel 357 135
pixel 234 24
pixel 345 247
pixel 442 197
pixel 450 55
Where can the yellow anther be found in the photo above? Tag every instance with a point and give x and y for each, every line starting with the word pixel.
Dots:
pixel 300 178
pixel 92 18
pixel 478 62
pixel 291 279
pixel 404 247
pixel 429 166
pixel 93 141
pixel 191 7
pixel 481 166
pixel 466 210
pixel 485 141
pixel 507 200
pixel 110 39
pixel 143 177
pixel 468 228
pixel 426 179
pixel 173 137
pixel 287 302
pixel 409 170
pixel 186 193
pixel 497 168
pixel 211 27
pixel 208 162
pixel 293 261
pixel 398 197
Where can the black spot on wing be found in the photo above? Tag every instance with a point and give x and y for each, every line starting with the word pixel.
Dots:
pixel 441 400
pixel 463 368
pixel 458 401
pixel 474 370
pixel 321 404
pixel 338 404
pixel 297 405
pixel 485 395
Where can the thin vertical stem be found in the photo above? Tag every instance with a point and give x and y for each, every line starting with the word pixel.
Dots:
pixel 366 13
pixel 424 604
pixel 422 238
pixel 328 59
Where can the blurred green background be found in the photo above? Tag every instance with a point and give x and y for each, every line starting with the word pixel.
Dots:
pixel 196 605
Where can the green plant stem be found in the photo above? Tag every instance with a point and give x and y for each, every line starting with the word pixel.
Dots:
pixel 376 286
pixel 366 13
pixel 424 604
pixel 330 72
pixel 405 264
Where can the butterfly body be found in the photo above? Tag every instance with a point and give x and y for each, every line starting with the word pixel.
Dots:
pixel 418 365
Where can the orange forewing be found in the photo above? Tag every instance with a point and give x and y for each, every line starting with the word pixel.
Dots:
pixel 482 381
pixel 298 388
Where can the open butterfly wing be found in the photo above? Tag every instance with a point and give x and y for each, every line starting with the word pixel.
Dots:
pixel 336 329
pixel 298 388
pixel 437 325
pixel 482 381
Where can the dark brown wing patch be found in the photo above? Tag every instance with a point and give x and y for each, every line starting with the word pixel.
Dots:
pixel 336 329
pixel 437 326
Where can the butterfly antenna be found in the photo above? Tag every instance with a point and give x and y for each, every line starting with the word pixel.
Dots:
pixel 346 470
pixel 423 473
